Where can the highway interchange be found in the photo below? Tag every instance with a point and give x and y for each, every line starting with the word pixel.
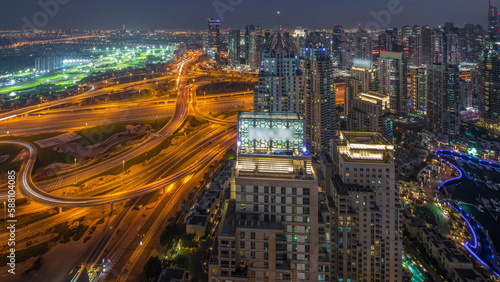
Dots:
pixel 174 174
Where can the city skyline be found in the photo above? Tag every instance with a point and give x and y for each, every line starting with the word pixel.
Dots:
pixel 236 14
pixel 233 140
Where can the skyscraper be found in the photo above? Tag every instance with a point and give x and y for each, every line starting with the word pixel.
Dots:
pixel 249 29
pixel 280 84
pixel 256 40
pixel 489 85
pixel 337 37
pixel 417 90
pixel 453 49
pixel 213 40
pixel 438 48
pixel 474 42
pixel 319 94
pixel 443 101
pixel 271 228
pixel 392 80
pixel 362 44
pixel 362 79
pixel 426 43
pixel 234 47
pixel 493 23
pixel 370 112
pixel 365 207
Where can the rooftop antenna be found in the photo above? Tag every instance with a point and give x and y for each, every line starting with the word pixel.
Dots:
pixel 279 22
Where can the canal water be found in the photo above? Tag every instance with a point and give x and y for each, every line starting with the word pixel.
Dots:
pixel 473 186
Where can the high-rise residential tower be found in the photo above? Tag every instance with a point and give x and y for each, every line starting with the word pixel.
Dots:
pixel 280 85
pixel 365 210
pixel 249 29
pixel 443 101
pixel 213 40
pixel 489 85
pixel 417 90
pixel 362 79
pixel 392 80
pixel 234 47
pixel 337 37
pixel 370 112
pixel 493 23
pixel 319 95
pixel 271 228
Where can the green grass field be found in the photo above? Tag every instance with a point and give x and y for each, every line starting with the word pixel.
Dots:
pixel 114 59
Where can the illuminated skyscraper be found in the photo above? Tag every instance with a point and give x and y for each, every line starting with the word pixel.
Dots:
pixel 319 93
pixel 392 79
pixel 489 85
pixel 443 101
pixel 362 79
pixel 280 86
pixel 493 23
pixel 249 29
pixel 256 41
pixel 213 40
pixel 234 47
pixel 337 37
pixel 370 112
pixel 417 90
pixel 365 209
pixel 271 228
pixel 362 44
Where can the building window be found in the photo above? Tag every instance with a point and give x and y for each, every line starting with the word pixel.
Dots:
pixel 242 244
pixel 306 191
pixel 283 190
pixel 256 189
pixel 243 188
pixel 294 191
pixel 252 235
pixel 242 234
pixel 305 201
pixel 252 245
pixel 243 207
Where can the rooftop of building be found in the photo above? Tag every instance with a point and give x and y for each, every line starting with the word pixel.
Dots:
pixel 364 138
pixel 447 247
pixel 364 147
pixel 270 115
pixel 275 166
pixel 279 45
pixel 199 220
pixel 374 96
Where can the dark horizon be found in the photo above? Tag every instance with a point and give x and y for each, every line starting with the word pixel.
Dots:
pixel 113 14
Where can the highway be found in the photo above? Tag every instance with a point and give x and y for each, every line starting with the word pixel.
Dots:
pixel 186 163
pixel 94 93
pixel 175 123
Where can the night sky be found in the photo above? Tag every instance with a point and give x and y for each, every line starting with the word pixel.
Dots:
pixel 192 14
